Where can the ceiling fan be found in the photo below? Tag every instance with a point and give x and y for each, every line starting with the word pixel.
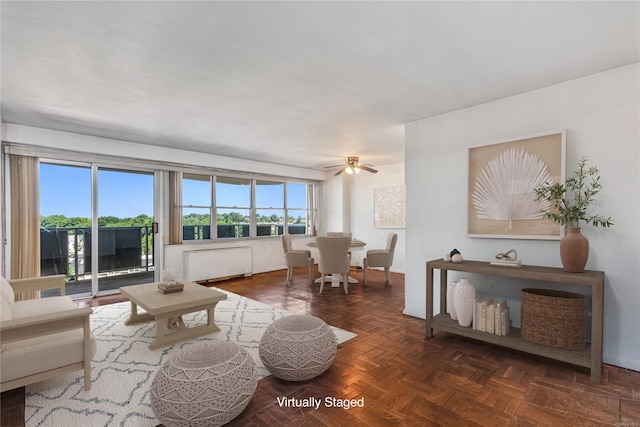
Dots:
pixel 352 165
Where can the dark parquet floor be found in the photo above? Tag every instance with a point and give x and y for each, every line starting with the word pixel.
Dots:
pixel 407 380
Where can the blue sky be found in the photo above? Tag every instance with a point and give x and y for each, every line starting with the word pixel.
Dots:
pixel 66 190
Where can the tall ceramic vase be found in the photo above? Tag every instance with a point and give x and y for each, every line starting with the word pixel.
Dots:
pixel 574 250
pixel 451 307
pixel 465 297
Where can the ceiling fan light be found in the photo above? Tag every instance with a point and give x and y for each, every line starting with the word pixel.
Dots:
pixel 350 170
pixel 356 169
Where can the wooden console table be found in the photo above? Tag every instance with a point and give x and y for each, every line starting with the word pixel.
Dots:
pixel 590 357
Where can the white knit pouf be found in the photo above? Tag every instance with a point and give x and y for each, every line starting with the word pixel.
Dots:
pixel 204 385
pixel 298 347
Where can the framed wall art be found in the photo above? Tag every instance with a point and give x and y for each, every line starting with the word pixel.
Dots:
pixel 501 201
pixel 389 207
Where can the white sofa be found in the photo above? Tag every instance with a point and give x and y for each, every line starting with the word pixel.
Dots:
pixel 42 338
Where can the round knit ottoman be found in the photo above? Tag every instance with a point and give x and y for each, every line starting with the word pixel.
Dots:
pixel 298 347
pixel 204 385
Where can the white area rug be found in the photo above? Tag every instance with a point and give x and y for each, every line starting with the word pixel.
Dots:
pixel 123 367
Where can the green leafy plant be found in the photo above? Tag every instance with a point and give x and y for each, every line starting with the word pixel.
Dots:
pixel 570 201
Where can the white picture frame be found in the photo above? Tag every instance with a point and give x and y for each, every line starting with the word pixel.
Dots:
pixel 501 178
pixel 389 207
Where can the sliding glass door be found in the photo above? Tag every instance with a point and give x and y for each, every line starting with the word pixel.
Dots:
pixel 125 229
pixel 65 220
pixel 88 210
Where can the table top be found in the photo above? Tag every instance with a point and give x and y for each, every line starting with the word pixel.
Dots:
pixel 149 297
pixel 355 243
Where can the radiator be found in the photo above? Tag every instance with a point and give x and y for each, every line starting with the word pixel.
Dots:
pixel 220 263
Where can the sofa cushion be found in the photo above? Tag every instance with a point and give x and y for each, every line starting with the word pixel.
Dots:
pixel 7 291
pixel 5 310
pixel 5 314
pixel 28 357
pixel 33 307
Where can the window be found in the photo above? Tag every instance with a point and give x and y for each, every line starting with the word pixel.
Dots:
pixel 196 207
pixel 297 217
pixel 233 207
pixel 244 207
pixel 269 208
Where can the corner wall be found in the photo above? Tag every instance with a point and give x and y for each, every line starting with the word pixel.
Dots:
pixel 362 226
pixel 601 116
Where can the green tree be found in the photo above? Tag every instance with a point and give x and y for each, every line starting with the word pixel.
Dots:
pixel 196 219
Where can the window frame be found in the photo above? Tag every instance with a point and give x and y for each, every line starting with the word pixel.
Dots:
pixel 216 208
pixel 310 211
pixel 196 207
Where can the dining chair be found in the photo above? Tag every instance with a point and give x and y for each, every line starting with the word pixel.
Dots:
pixel 338 234
pixel 334 259
pixel 295 258
pixel 381 258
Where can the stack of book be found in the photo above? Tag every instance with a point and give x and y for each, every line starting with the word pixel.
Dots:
pixel 506 262
pixel 170 287
pixel 491 316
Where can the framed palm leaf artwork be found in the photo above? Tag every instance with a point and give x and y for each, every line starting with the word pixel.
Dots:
pixel 501 201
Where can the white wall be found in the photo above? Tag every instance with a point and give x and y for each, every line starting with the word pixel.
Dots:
pixel 57 140
pixel 348 206
pixel 362 186
pixel 266 253
pixel 600 114
pixel 334 205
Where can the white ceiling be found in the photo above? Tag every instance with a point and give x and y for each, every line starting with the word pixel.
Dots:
pixel 295 83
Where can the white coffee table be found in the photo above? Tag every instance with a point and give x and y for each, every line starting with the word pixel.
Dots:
pixel 167 310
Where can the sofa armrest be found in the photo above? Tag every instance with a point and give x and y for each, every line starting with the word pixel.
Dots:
pixel 44 324
pixel 38 284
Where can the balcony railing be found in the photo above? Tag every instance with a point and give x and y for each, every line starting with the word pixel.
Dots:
pixel 125 250
pixel 120 250
pixel 203 232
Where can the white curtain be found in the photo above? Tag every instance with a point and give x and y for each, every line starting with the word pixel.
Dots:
pixel 24 174
pixel 312 209
pixel 175 208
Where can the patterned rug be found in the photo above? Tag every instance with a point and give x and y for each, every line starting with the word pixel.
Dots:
pixel 123 367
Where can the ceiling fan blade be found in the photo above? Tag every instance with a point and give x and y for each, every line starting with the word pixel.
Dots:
pixel 339 172
pixel 368 169
pixel 334 166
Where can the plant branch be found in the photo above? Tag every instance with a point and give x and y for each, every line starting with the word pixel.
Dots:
pixel 570 201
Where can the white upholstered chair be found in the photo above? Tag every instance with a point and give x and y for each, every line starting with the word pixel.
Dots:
pixel 44 337
pixel 334 259
pixel 295 258
pixel 381 257
pixel 338 234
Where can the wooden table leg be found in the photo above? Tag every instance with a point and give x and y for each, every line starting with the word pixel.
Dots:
pixel 429 302
pixel 176 323
pixel 179 330
pixel 134 317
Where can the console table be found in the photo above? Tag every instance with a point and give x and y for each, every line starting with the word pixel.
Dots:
pixel 590 357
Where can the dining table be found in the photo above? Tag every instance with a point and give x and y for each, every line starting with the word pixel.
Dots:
pixel 336 279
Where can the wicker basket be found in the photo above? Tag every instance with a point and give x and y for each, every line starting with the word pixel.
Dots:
pixel 553 318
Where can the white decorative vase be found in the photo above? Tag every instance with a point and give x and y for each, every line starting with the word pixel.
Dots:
pixel 465 296
pixel 451 308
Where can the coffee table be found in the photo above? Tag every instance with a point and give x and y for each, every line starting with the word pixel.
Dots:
pixel 167 310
